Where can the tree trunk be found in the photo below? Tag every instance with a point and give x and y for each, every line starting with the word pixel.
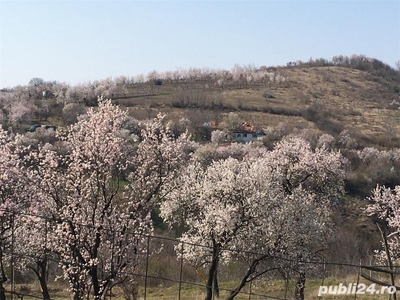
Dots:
pixel 250 271
pixel 243 282
pixel 216 287
pixel 2 279
pixel 42 279
pixel 41 273
pixel 2 293
pixel 95 282
pixel 78 289
pixel 384 234
pixel 77 296
pixel 45 290
pixel 212 273
pixel 301 282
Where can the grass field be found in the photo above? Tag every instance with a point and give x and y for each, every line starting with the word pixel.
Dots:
pixel 272 289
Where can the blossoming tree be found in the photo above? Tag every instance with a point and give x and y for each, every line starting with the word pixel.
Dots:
pixel 98 197
pixel 385 204
pixel 13 197
pixel 257 208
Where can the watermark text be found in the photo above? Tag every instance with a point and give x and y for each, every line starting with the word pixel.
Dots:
pixel 355 289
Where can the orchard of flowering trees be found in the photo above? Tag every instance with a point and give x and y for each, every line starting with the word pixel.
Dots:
pixel 84 198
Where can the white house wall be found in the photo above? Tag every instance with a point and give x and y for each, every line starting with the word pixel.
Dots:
pixel 244 139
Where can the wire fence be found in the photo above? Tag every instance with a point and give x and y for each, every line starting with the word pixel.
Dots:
pixel 162 273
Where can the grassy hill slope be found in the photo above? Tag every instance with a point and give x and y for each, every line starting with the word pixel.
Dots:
pixel 329 98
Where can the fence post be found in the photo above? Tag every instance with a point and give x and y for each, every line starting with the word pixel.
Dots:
pixel 147 267
pixel 250 290
pixel 286 283
pixel 358 281
pixel 370 264
pixel 180 274
pixel 323 275
pixel 12 258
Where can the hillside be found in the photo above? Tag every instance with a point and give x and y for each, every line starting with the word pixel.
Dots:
pixel 330 99
pixel 357 94
pixel 355 98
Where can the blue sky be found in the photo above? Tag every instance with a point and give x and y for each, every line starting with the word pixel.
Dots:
pixel 78 41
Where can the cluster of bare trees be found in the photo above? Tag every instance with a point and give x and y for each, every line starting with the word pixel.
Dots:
pixel 360 62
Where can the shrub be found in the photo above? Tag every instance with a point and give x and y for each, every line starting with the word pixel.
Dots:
pixel 157 82
pixel 267 94
pixel 218 136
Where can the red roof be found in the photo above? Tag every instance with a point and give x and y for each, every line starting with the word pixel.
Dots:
pixel 246 127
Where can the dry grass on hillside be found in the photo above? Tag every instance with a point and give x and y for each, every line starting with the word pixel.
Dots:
pixel 329 98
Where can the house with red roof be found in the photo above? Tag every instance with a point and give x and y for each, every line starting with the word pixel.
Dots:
pixel 246 132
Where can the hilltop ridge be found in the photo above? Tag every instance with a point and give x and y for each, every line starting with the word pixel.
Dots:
pixel 357 94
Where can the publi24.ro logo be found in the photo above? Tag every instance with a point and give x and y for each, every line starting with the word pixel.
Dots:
pixel 355 289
